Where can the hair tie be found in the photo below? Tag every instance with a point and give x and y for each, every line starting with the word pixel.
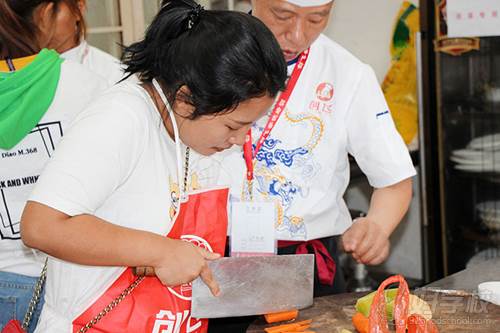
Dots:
pixel 194 15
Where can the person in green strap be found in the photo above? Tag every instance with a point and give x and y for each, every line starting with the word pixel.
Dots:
pixel 40 94
pixel 26 96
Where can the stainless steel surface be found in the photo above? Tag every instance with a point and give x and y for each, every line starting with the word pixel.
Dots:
pixel 466 281
pixel 255 285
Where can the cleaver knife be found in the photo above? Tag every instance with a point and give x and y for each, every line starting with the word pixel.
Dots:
pixel 255 285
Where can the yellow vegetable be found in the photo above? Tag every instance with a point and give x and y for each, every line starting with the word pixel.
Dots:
pixel 417 305
pixel 364 304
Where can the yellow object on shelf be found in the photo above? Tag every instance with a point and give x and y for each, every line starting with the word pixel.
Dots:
pixel 400 83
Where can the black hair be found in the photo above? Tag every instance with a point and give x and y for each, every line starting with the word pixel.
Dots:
pixel 223 57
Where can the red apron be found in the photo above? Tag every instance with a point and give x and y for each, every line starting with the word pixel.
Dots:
pixel 152 307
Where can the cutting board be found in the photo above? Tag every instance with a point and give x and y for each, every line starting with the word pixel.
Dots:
pixel 452 312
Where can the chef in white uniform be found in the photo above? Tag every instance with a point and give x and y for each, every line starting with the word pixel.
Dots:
pixel 333 107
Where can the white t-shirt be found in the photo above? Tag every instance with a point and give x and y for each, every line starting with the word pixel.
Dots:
pixel 336 108
pixel 97 61
pixel 21 166
pixel 118 163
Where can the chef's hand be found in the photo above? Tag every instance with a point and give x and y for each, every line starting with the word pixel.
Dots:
pixel 184 263
pixel 366 241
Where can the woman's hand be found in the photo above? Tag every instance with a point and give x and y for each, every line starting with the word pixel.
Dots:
pixel 366 241
pixel 184 262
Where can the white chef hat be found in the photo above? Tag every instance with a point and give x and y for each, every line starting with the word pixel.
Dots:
pixel 309 3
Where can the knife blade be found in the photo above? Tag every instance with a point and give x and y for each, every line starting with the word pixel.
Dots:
pixel 255 285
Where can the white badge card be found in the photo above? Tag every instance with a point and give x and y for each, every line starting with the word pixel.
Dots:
pixel 252 229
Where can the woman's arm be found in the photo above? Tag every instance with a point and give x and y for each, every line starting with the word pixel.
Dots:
pixel 368 237
pixel 89 240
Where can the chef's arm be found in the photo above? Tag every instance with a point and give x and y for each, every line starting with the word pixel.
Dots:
pixel 368 237
pixel 389 205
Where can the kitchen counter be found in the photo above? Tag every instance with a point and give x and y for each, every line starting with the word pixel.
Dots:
pixel 454 305
pixel 468 279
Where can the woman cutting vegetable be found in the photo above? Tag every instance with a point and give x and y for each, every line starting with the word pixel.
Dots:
pixel 103 203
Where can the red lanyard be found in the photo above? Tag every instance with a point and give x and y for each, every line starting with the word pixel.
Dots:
pixel 280 105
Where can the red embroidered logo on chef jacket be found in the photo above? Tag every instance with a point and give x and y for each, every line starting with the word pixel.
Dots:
pixel 324 98
pixel 324 91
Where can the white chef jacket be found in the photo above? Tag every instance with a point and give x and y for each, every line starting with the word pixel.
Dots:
pixel 337 108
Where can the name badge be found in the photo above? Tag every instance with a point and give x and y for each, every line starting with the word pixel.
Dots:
pixel 252 229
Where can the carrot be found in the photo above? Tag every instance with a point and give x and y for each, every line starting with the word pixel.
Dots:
pixel 295 327
pixel 298 329
pixel 281 316
pixel 287 328
pixel 360 322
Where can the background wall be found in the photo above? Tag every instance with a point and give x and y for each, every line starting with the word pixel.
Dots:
pixel 364 27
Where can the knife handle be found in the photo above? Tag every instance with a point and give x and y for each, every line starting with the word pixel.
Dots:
pixel 143 271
